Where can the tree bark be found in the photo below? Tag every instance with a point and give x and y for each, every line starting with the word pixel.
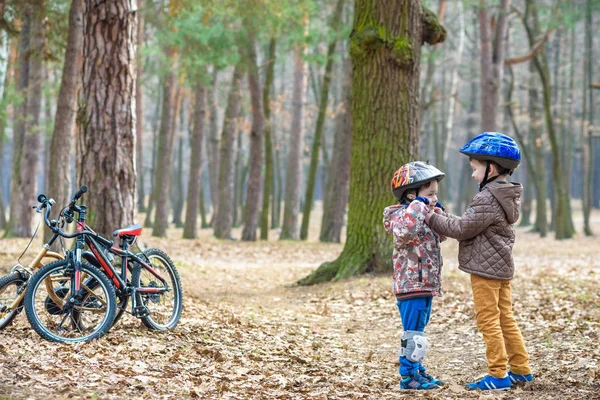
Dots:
pixel 535 135
pixel 224 213
pixel 19 125
pixel 338 178
pixel 139 104
pixel 386 51
pixel 179 191
pixel 59 176
pixel 155 134
pixel 190 230
pixel 253 190
pixel 164 151
pixel 316 147
pixel 106 116
pixel 492 62
pixel 213 153
pixel 268 181
pixel 564 224
pixel 293 181
pixel 31 141
pixel 11 57
pixel 588 123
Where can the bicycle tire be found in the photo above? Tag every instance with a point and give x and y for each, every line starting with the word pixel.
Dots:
pixel 63 267
pixel 17 280
pixel 151 320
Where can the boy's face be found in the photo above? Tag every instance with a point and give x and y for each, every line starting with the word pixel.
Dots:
pixel 430 193
pixel 478 170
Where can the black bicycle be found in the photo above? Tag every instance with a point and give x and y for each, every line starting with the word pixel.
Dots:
pixel 76 301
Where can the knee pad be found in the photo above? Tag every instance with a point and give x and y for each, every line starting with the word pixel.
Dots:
pixel 414 346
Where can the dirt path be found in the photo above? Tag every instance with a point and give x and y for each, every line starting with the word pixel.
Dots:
pixel 247 332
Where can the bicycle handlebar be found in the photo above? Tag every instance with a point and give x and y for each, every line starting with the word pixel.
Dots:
pixel 48 203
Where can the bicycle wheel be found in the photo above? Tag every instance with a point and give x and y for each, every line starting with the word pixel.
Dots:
pixel 12 287
pixel 58 313
pixel 164 308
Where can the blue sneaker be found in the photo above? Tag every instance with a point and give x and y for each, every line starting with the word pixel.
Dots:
pixel 417 382
pixel 516 378
pixel 490 383
pixel 431 379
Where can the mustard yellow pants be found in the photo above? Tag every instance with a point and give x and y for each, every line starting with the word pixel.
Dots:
pixel 495 320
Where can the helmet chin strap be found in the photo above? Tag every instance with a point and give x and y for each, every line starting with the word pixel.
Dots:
pixel 487 180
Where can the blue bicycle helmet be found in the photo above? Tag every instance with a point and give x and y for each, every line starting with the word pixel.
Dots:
pixel 496 147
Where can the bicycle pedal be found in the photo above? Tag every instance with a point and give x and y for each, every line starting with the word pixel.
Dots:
pixel 141 311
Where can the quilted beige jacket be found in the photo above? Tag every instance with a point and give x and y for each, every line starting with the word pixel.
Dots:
pixel 485 232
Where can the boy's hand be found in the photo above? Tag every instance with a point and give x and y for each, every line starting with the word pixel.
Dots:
pixel 428 216
pixel 440 206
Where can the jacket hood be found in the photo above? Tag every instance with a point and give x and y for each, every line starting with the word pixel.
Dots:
pixel 508 195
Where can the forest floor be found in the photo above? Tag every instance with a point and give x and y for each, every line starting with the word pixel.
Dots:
pixel 247 332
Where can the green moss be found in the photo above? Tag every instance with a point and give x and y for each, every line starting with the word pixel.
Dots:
pixel 371 38
pixel 433 31
pixel 402 51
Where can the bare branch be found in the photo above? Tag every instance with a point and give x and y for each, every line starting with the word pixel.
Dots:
pixel 533 53
pixel 596 85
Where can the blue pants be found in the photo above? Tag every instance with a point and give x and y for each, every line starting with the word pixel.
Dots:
pixel 415 315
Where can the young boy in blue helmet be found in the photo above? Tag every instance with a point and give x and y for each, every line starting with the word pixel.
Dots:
pixel 486 237
pixel 417 263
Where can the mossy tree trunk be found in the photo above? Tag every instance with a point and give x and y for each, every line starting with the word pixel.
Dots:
pixel 562 210
pixel 59 176
pixel 268 181
pixel 316 147
pixel 106 116
pixel 535 137
pixel 385 48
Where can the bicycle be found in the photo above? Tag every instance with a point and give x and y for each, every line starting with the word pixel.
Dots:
pixel 85 288
pixel 14 284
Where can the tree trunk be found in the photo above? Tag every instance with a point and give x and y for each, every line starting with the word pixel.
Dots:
pixel 278 186
pixel 155 120
pixel 59 174
pixel 268 181
pixel 338 180
pixel 535 137
pixel 492 62
pixel 179 191
pixel 20 114
pixel 385 123
pixel 253 190
pixel 106 117
pixel 213 154
pixel 316 147
pixel 293 181
pixel 164 151
pixel 190 230
pixel 11 56
pixel 564 224
pixel 239 182
pixel 139 104
pixel 31 141
pixel 224 213
pixel 588 123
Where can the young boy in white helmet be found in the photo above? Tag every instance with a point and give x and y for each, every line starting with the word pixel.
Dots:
pixel 486 236
pixel 417 265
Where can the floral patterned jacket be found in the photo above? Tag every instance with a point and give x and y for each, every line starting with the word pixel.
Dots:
pixel 417 259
